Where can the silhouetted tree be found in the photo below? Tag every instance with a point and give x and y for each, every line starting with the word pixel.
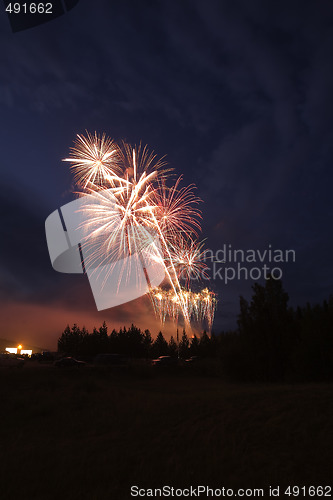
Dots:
pixel 194 347
pixel 114 342
pixel 204 345
pixel 313 357
pixel 103 337
pixel 147 342
pixel 213 346
pixel 70 340
pixel 264 327
pixel 160 346
pixel 134 342
pixel 173 348
pixel 184 345
pixel 64 339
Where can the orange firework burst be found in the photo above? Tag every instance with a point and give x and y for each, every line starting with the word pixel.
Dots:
pixel 130 208
pixel 176 209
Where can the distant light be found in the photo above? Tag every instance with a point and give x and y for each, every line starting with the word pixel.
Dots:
pixel 11 350
pixel 26 351
pixel 19 346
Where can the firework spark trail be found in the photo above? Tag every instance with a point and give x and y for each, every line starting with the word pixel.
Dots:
pixel 175 215
pixel 175 211
pixel 200 305
pixel 175 277
pixel 131 204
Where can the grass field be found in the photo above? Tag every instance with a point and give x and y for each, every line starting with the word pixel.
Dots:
pixel 87 434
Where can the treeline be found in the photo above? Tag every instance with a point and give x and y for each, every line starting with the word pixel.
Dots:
pixel 273 342
pixel 134 343
pixel 276 343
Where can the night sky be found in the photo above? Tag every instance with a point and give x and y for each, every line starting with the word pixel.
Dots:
pixel 237 95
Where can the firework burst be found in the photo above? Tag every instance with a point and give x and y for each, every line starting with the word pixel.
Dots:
pixel 95 161
pixel 132 211
pixel 176 209
pixel 188 259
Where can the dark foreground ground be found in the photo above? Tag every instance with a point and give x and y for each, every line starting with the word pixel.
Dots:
pixel 91 434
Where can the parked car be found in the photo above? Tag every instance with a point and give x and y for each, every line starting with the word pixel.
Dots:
pixel 192 359
pixel 69 362
pixel 164 361
pixel 11 360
